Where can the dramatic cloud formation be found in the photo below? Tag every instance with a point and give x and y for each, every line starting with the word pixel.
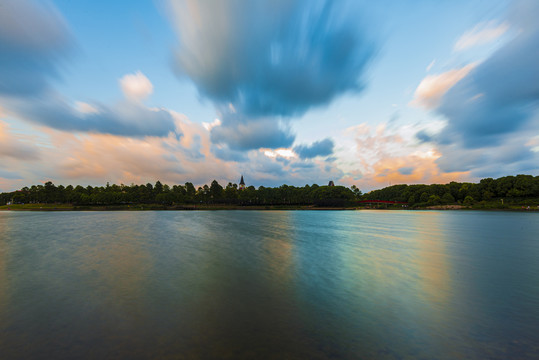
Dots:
pixel 34 41
pixel 501 94
pixel 244 135
pixel 318 148
pixel 259 76
pixel 268 59
pixel 97 158
pixel 494 108
pixel 123 118
pixel 387 155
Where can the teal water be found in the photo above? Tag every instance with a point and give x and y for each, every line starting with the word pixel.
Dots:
pixel 269 284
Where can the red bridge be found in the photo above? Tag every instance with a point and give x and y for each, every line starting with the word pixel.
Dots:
pixel 381 202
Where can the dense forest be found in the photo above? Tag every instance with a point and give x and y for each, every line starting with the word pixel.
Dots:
pixel 501 192
pixel 183 194
pixel 495 193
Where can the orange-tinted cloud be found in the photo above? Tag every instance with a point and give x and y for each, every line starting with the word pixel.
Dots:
pixel 15 146
pixel 385 156
pixel 118 159
pixel 482 33
pixel 433 87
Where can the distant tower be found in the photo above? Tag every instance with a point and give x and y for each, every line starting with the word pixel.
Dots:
pixel 331 183
pixel 242 184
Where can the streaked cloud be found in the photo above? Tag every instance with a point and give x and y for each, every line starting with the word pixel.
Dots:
pixel 260 66
pixel 125 118
pixel 85 108
pixel 500 95
pixel 9 175
pixel 493 112
pixel 514 156
pixel 12 146
pixel 432 88
pixel 35 40
pixel 481 34
pixel 247 135
pixel 268 60
pixel 93 158
pixel 318 148
pixel 96 158
pixel 431 64
pixel 35 43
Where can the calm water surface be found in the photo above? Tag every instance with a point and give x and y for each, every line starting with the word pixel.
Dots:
pixel 269 284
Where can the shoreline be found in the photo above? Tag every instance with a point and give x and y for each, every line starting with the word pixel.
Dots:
pixel 189 207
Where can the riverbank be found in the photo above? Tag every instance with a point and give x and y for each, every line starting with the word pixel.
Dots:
pixel 145 207
pixel 193 207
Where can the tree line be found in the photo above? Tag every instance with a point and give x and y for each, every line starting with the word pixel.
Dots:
pixel 164 194
pixel 504 190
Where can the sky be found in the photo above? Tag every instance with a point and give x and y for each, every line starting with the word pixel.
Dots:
pixel 282 92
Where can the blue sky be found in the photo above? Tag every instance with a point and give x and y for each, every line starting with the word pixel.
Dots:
pixel 296 92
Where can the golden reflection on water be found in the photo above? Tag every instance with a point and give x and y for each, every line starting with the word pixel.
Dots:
pixel 434 277
pixel 399 273
pixel 432 260
pixel 234 284
pixel 278 249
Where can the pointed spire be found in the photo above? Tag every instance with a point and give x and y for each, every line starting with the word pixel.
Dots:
pixel 241 181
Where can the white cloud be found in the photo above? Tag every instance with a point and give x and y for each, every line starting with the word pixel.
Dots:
pixel 482 33
pixel 282 152
pixel 208 126
pixel 431 89
pixel 136 86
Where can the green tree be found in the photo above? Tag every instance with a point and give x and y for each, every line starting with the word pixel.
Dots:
pixel 448 198
pixel 158 188
pixel 190 191
pixel 434 200
pixel 355 190
pixel 49 192
pixel 231 192
pixel 216 191
pixel 487 195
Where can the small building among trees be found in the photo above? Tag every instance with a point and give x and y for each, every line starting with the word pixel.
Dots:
pixel 242 184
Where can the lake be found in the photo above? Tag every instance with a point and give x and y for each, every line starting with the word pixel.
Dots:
pixel 269 284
